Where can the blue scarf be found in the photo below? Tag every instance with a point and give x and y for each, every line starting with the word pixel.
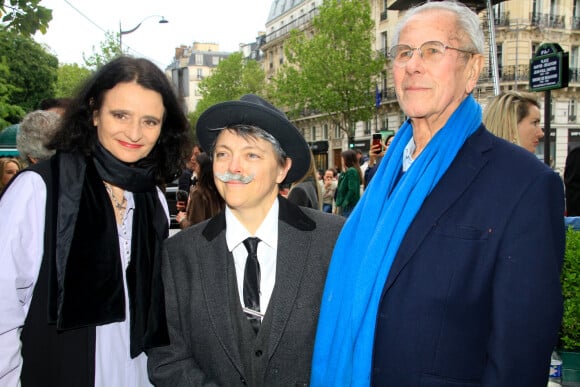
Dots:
pixel 361 261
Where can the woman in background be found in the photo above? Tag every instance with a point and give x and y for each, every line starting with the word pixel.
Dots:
pixel 8 169
pixel 515 117
pixel 306 191
pixel 328 190
pixel 349 181
pixel 204 199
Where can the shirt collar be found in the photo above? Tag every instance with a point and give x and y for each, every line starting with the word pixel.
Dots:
pixel 408 154
pixel 236 233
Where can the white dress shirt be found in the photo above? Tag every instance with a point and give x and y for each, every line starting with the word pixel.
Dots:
pixel 22 214
pixel 408 154
pixel 236 233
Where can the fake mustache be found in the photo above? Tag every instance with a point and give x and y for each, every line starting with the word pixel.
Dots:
pixel 228 176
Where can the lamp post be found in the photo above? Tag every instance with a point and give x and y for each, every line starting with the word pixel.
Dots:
pixel 162 20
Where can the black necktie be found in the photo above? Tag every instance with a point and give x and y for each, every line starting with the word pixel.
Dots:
pixel 252 283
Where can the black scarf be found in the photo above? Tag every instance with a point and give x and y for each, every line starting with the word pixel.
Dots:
pixel 87 283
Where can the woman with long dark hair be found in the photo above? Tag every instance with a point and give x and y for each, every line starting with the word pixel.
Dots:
pixel 82 232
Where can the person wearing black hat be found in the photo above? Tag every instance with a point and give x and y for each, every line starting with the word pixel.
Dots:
pixel 237 316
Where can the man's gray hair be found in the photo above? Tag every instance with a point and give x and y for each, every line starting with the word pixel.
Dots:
pixel 467 22
pixel 36 130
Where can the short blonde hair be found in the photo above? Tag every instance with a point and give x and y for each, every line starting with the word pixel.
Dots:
pixel 3 162
pixel 504 111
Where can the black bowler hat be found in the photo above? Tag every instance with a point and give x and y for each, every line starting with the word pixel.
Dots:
pixel 253 110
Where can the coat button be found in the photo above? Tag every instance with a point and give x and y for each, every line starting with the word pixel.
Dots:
pixel 258 353
pixel 243 381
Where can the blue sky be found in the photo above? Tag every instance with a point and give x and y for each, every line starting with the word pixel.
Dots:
pixel 225 22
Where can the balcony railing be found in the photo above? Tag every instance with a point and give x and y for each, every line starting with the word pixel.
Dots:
pixel 557 21
pixel 509 73
pixel 539 19
pixel 296 23
pixel 387 94
pixel 545 20
pixel 501 20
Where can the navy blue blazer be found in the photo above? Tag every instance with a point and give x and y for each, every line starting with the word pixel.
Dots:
pixel 473 297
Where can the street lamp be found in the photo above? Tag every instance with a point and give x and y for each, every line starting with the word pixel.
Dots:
pixel 162 20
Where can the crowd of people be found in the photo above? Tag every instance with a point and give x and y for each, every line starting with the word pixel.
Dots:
pixel 416 266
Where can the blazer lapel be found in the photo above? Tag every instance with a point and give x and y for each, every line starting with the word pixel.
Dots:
pixel 293 232
pixel 461 173
pixel 289 270
pixel 215 286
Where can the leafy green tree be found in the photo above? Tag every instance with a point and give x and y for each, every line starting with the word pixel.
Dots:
pixel 109 50
pixel 70 77
pixel 232 78
pixel 331 70
pixel 25 16
pixel 7 110
pixel 32 71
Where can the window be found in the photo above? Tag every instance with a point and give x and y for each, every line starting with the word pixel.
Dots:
pixel 535 46
pixel 384 42
pixel 384 10
pixel 215 60
pixel 498 10
pixel 313 133
pixel 537 6
pixel 337 132
pixel 368 127
pixel 384 83
pixel 199 59
pixel 574 62
pixel 499 54
pixel 572 110
pixel 199 73
pixel 325 132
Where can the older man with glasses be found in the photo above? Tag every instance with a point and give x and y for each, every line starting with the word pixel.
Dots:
pixel 451 283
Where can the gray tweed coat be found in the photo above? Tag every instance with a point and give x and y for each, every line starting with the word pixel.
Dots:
pixel 211 341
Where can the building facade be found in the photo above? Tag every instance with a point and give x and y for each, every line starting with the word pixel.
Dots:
pixel 190 65
pixel 519 28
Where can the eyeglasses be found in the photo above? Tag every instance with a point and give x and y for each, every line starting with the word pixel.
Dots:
pixel 431 52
